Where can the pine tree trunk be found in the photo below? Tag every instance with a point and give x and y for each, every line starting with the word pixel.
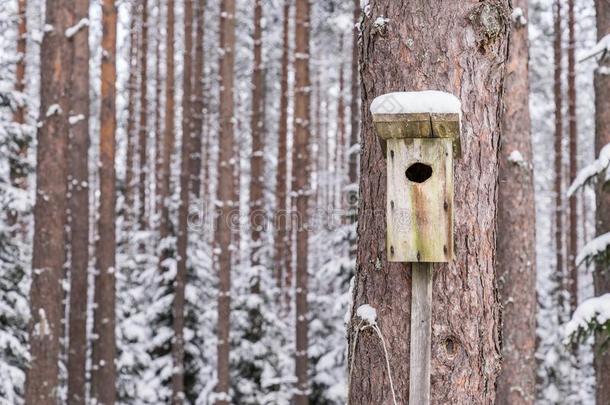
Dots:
pixel 340 140
pixel 460 47
pixel 103 373
pixel 79 209
pixel 131 112
pixel 158 117
pixel 143 129
pixel 198 104
pixel 225 194
pixel 183 211
pixel 42 384
pixel 516 261
pixel 559 270
pixel 302 136
pixel 573 132
pixel 165 227
pixel 354 105
pixel 281 234
pixel 18 175
pixel 257 158
pixel 602 138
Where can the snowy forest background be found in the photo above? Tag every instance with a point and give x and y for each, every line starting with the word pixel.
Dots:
pixel 261 368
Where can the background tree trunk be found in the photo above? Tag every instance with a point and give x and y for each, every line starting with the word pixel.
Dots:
pixel 460 47
pixel 516 261
pixel 42 383
pixel 281 235
pixel 103 373
pixel 79 209
pixel 602 138
pixel 257 158
pixel 198 104
pixel 300 183
pixel 225 194
pixel 158 164
pixel 183 211
pixel 131 110
pixel 143 130
pixel 354 105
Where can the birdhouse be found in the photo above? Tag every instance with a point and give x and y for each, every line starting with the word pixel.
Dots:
pixel 420 135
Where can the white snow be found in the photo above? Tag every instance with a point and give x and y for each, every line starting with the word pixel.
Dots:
pixel 380 22
pixel 594 309
pixel 367 313
pixel 70 32
pixel 600 48
pixel 430 101
pixel 597 246
pixel 518 17
pixel 76 119
pixel 517 158
pixel 53 109
pixel 594 169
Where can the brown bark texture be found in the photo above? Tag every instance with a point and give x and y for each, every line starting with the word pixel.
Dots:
pixel 143 129
pixel 257 158
pixel 516 260
pixel 103 369
pixel 42 385
pixel 281 235
pixel 355 98
pixel 131 111
pixel 302 136
pixel 165 226
pixel 198 102
pixel 573 134
pixel 79 209
pixel 465 54
pixel 158 117
pixel 602 137
pixel 225 194
pixel 183 211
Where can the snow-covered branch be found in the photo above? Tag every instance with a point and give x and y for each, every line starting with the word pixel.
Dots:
pixel 596 249
pixel 591 316
pixel 599 49
pixel 592 171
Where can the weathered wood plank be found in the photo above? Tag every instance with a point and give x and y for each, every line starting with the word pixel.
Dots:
pixel 421 334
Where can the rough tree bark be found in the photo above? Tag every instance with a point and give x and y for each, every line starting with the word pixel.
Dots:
pixel 573 134
pixel 183 211
pixel 131 110
pixel 257 158
pixel 354 103
pixel 143 129
pixel 42 384
pixel 282 263
pixel 18 175
pixel 459 47
pixel 602 138
pixel 557 54
pixel 79 209
pixel 300 186
pixel 165 226
pixel 516 260
pixel 225 194
pixel 198 102
pixel 103 369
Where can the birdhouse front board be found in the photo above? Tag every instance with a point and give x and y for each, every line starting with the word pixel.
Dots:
pixel 420 199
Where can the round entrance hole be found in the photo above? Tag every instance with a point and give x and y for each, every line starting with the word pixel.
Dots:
pixel 419 172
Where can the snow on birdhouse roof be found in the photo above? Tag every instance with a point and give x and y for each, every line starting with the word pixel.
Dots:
pixel 430 101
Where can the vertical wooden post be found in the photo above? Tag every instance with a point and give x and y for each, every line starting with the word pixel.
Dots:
pixel 421 334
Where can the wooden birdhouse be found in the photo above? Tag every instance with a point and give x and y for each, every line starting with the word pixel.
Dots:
pixel 420 133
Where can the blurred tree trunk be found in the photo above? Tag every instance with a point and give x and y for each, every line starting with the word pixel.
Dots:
pixel 354 104
pixel 602 138
pixel 282 264
pixel 42 383
pixel 198 104
pixel 103 373
pixel 339 179
pixel 131 111
pixel 143 129
pixel 257 158
pixel 460 47
pixel 300 187
pixel 557 55
pixel 165 227
pixel 79 209
pixel 183 210
pixel 516 260
pixel 225 194
pixel 18 173
pixel 158 117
